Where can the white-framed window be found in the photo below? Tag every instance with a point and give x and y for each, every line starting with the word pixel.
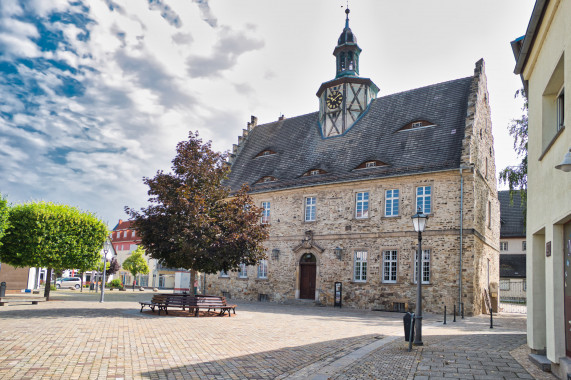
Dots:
pixel 561 110
pixel 310 208
pixel 424 199
pixel 314 172
pixel 503 245
pixel 118 234
pixel 392 202
pixel 223 273
pixel 265 212
pixel 390 267
pixel 417 124
pixel 132 233
pixel 504 284
pixel 370 164
pixel 362 205
pixel 360 264
pixel 243 271
pixel 425 266
pixel 263 269
pixel 523 246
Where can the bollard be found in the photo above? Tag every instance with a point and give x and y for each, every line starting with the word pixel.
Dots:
pixel 2 289
pixel 444 314
pixel 491 317
pixel 462 309
pixel 454 313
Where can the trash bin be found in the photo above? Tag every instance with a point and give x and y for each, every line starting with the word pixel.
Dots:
pixel 408 319
pixel 92 286
pixel 2 289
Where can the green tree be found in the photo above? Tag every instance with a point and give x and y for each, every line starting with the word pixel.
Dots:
pixel 516 176
pixel 3 217
pixel 193 221
pixel 136 263
pixel 52 236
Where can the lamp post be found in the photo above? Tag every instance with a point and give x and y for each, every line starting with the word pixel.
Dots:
pixel 419 222
pixel 106 247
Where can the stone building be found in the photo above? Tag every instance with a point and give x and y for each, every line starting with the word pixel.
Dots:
pixel 339 186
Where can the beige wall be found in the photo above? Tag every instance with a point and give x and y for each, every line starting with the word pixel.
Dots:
pixel 549 200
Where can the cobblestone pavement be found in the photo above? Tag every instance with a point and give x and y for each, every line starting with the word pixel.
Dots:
pixel 75 337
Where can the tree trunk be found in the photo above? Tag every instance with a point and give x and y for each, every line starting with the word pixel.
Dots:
pixel 48 284
pixel 192 277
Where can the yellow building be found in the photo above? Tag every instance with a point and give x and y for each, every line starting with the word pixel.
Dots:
pixel 543 59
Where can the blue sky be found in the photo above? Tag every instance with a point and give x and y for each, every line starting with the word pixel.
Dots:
pixel 94 95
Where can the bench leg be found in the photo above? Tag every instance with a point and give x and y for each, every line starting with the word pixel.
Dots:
pixel 34 302
pixel 2 303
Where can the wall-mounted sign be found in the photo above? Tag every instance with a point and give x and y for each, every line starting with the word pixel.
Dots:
pixel 548 249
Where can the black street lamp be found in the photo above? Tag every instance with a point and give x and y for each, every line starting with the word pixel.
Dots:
pixel 106 249
pixel 419 222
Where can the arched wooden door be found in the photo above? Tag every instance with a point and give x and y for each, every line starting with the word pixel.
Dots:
pixel 308 267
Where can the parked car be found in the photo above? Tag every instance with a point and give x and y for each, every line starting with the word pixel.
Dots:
pixel 68 282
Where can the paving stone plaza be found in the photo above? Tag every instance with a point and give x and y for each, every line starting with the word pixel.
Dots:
pixel 73 336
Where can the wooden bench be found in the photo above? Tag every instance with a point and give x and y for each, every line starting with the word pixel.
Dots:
pixel 194 303
pixel 32 299
pixel 212 302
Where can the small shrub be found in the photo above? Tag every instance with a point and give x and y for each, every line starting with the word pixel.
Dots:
pixel 53 287
pixel 116 283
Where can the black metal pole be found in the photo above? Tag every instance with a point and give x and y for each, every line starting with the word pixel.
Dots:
pixel 454 313
pixel 491 317
pixel 410 332
pixel 462 309
pixel 444 314
pixel 418 335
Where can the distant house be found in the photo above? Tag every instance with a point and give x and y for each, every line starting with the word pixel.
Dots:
pixel 125 240
pixel 512 247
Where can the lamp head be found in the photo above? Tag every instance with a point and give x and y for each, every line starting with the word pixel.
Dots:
pixel 419 221
pixel 565 165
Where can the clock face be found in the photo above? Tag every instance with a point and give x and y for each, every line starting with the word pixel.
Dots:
pixel 334 99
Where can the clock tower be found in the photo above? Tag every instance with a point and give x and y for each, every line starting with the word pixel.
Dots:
pixel 343 100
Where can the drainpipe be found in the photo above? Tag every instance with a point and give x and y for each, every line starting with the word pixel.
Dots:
pixel 460 304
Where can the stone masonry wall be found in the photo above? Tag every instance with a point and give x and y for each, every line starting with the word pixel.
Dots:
pixel 335 226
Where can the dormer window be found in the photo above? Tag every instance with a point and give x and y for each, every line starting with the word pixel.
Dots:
pixel 313 172
pixel 266 152
pixel 371 164
pixel 417 124
pixel 267 179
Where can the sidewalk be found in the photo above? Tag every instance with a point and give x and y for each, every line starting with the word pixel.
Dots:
pixel 466 349
pixel 74 336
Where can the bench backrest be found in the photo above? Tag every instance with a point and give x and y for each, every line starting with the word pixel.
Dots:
pixel 198 300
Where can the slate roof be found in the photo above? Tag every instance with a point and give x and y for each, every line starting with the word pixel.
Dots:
pixel 511 215
pixel 299 146
pixel 512 265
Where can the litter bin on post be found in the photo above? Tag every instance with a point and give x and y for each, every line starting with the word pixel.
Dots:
pixel 2 289
pixel 408 320
pixel 91 286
